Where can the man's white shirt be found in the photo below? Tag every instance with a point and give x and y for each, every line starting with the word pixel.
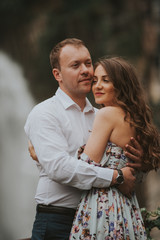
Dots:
pixel 57 128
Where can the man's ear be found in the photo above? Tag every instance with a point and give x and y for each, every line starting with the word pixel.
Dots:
pixel 57 74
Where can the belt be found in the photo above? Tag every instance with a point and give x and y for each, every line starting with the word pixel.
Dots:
pixel 54 209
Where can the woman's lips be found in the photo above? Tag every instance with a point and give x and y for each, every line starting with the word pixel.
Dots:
pixel 98 94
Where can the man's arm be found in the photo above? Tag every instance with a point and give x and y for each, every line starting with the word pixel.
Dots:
pixel 51 148
pixel 129 179
pixel 67 166
pixel 134 152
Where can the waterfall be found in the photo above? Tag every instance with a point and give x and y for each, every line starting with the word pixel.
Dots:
pixel 18 173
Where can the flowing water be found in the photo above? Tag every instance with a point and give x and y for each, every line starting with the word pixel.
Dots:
pixel 18 173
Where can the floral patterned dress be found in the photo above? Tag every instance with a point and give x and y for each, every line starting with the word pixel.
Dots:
pixel 105 214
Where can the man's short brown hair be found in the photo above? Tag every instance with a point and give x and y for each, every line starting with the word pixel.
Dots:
pixel 55 52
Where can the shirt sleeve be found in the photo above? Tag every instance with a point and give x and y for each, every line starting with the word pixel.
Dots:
pixel 51 148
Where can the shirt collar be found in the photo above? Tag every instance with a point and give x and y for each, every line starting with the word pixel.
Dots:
pixel 67 102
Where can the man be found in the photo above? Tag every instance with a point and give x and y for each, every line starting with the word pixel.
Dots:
pixel 57 127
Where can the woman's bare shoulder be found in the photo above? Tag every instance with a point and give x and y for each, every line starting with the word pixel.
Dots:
pixel 110 112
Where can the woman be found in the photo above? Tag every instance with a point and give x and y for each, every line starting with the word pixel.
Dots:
pixel 107 213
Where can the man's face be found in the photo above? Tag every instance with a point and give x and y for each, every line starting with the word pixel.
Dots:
pixel 76 71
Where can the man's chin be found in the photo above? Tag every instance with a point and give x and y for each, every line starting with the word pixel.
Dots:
pixel 87 86
pixel 87 89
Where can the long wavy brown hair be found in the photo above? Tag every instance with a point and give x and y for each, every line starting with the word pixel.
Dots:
pixel 130 97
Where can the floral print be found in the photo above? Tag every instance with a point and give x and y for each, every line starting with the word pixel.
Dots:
pixel 106 214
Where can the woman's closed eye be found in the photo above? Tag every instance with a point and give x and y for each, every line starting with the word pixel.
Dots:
pixel 106 80
pixel 94 80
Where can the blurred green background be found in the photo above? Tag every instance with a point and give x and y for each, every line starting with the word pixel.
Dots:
pixel 128 28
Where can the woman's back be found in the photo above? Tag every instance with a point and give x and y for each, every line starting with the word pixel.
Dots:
pixel 122 131
pixel 109 126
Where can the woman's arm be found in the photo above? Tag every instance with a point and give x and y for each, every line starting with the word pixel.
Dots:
pixel 102 129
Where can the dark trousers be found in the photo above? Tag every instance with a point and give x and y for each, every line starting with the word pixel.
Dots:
pixel 51 226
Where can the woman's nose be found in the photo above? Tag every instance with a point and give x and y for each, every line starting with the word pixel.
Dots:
pixel 98 84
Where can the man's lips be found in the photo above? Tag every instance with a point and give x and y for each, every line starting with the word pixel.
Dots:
pixel 85 80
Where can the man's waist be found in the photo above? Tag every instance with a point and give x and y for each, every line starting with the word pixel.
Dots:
pixel 51 193
pixel 41 208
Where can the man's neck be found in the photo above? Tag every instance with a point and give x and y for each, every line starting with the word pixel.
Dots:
pixel 81 103
pixel 79 100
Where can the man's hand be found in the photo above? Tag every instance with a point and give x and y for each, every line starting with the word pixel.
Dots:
pixel 32 151
pixel 129 181
pixel 134 152
pixel 128 186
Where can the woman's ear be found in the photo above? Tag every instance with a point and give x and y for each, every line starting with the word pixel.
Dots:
pixel 57 74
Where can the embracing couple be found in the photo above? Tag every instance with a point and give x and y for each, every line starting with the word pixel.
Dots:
pixel 89 160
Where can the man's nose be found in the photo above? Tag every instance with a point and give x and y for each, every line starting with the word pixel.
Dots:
pixel 84 69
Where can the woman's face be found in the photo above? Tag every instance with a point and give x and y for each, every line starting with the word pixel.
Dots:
pixel 103 89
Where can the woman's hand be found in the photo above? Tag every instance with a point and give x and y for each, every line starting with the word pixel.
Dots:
pixel 32 151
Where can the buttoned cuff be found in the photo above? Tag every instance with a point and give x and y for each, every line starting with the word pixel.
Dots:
pixel 104 178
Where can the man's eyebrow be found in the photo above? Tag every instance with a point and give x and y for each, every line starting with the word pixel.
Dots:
pixel 79 60
pixel 75 61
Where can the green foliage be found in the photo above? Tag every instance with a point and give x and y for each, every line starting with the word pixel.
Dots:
pixel 151 219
